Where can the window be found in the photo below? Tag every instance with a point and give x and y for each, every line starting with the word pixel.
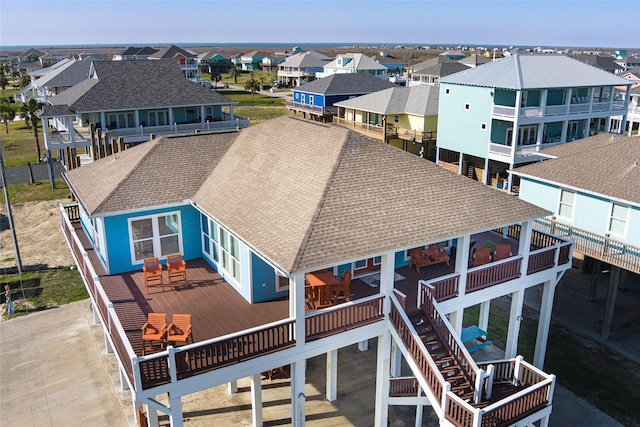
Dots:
pixel 483 126
pixel 360 264
pixel 155 236
pixel 396 119
pixel 618 219
pixel 282 283
pixel 311 100
pixel 567 202
pixel 467 106
pixel 447 91
pixel 221 247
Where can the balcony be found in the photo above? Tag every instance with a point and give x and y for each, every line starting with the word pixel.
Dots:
pixel 615 107
pixel 312 109
pixel 228 330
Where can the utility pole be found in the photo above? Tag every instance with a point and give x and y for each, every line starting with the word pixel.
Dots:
pixel 9 215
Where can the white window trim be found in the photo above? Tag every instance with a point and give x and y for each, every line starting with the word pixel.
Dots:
pixel 626 220
pixel 573 208
pixel 156 235
pixel 278 287
pixel 229 272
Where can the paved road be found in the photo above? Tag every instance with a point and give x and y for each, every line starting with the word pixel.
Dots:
pixel 20 174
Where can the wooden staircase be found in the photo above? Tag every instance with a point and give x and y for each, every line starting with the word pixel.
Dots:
pixel 446 362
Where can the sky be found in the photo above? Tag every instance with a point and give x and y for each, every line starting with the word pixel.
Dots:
pixel 574 23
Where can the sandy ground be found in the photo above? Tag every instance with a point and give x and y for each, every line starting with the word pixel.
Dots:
pixel 40 238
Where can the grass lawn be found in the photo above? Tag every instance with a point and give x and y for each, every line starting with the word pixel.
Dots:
pixel 36 192
pixel 261 77
pixel 590 370
pixel 43 289
pixel 19 143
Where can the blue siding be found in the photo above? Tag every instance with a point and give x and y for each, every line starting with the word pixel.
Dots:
pixel 117 237
pixel 264 280
pixel 460 129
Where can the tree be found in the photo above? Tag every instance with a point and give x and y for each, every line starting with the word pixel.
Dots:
pixel 215 78
pixel 25 80
pixel 7 114
pixel 252 85
pixel 234 72
pixel 3 81
pixel 28 112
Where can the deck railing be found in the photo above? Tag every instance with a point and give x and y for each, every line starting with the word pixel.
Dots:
pixel 493 274
pixel 404 387
pixel 116 334
pixel 314 109
pixel 595 245
pixel 343 317
pixel 194 359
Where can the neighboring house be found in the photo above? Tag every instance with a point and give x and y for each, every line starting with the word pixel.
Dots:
pixel 352 63
pixel 135 53
pixel 606 63
pixel 597 207
pixel 475 60
pixel 394 65
pixel 633 116
pixel 188 60
pixel 254 215
pixel 252 60
pixel 235 59
pixel 269 63
pixel 212 62
pixel 501 114
pixel 633 77
pixel 301 68
pixel 455 55
pixel 62 76
pixel 404 117
pixel 317 98
pixel 29 61
pixel 119 100
pixel 47 60
pixel 426 64
pixel 432 75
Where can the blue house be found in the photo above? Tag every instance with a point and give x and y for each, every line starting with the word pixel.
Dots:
pixel 501 114
pixel 265 228
pixel 316 98
pixel 597 207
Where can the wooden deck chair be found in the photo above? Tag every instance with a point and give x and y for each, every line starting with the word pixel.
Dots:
pixel 311 296
pixel 176 270
pixel 481 256
pixel 502 251
pixel 152 270
pixel 344 286
pixel 180 329
pixel 154 331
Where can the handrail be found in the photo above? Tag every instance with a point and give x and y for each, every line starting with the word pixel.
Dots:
pixel 404 386
pixel 595 245
pixel 340 318
pixel 494 273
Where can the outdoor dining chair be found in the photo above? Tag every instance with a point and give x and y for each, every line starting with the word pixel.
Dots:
pixel 152 270
pixel 154 331
pixel 176 270
pixel 180 329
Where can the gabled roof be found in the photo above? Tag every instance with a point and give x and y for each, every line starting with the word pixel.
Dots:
pixel 301 207
pixel 207 56
pixel 356 61
pixel 441 70
pixel 143 51
pixel 170 52
pixel 606 63
pixel 342 84
pixel 420 100
pixel 306 60
pixel 52 69
pixel 431 62
pixel 521 71
pixel 605 164
pixel 475 59
pixel 136 84
pixel 30 52
pixel 255 54
pixel 73 73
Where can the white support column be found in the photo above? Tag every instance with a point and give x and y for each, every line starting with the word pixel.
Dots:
pixel 297 307
pixel 124 385
pixel 256 400
pixel 396 360
pixel 462 262
pixel 170 116
pixel 332 376
pixel 107 345
pixel 524 245
pixel 231 113
pixel 515 317
pixel 203 114
pixel 297 394
pixel 103 121
pixel 455 318
pixel 543 324
pixel 363 345
pixel 232 387
pixel 460 162
pixel 483 319
pixel 419 410
pixel 382 379
pixel 175 418
pixel 136 118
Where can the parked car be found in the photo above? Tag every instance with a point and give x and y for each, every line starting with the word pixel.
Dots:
pixel 280 85
pixel 265 87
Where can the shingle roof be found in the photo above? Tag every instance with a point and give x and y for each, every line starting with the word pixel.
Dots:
pixel 74 73
pixel 358 61
pixel 606 63
pixel 602 164
pixel 421 100
pixel 535 72
pixel 306 60
pixel 137 84
pixel 339 196
pixel 442 69
pixel 431 62
pixel 340 84
pixel 170 52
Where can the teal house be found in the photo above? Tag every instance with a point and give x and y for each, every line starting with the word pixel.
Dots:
pixel 500 115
